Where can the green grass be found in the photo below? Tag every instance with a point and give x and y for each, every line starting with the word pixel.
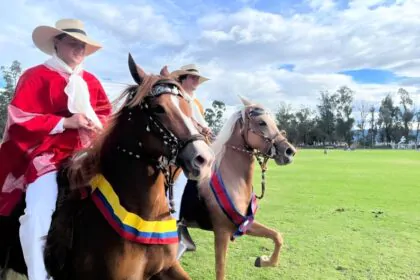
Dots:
pixel 345 215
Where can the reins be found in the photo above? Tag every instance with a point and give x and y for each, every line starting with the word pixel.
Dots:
pixel 262 161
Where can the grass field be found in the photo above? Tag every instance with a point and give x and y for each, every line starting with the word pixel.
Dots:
pixel 345 215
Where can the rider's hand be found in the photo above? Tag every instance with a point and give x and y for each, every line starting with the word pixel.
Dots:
pixel 78 121
pixel 206 131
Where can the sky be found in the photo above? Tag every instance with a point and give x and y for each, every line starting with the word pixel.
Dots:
pixel 268 51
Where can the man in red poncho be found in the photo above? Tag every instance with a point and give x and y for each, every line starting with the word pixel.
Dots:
pixel 56 110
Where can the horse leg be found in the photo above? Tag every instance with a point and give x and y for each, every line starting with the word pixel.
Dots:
pixel 260 230
pixel 221 240
pixel 175 272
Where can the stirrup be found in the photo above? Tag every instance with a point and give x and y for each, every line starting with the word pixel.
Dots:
pixel 185 239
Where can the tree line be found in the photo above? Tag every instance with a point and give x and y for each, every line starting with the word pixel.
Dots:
pixel 337 119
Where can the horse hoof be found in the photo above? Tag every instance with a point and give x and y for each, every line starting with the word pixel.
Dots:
pixel 262 261
pixel 258 262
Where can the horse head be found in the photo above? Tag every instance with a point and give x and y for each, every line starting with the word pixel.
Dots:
pixel 158 119
pixel 261 133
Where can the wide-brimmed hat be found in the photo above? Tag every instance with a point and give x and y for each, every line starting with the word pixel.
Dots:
pixel 43 36
pixel 189 69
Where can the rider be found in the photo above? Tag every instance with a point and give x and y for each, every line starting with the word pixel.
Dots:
pixel 56 110
pixel 189 78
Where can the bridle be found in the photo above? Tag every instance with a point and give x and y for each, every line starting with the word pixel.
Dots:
pixel 261 156
pixel 171 142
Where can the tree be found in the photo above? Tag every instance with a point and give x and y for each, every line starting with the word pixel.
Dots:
pixel 286 121
pixel 388 115
pixel 373 130
pixel 344 108
pixel 361 123
pixel 214 116
pixel 417 115
pixel 407 112
pixel 326 119
pixel 305 125
pixel 10 75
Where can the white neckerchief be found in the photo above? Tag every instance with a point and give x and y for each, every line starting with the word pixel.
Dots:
pixel 196 113
pixel 76 89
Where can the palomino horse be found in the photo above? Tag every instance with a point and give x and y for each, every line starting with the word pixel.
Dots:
pixel 113 221
pixel 226 203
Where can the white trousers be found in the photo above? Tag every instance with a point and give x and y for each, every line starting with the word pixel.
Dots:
pixel 41 197
pixel 179 187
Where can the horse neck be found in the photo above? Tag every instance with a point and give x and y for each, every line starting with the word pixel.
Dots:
pixel 139 186
pixel 237 169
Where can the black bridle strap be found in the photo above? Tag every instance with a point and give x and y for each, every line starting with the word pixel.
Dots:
pixel 195 137
pixel 175 146
pixel 169 174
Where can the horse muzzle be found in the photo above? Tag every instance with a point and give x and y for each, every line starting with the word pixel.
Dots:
pixel 285 153
pixel 196 159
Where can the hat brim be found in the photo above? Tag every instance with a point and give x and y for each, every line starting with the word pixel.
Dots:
pixel 177 73
pixel 43 38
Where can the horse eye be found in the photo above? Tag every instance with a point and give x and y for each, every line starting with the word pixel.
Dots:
pixel 262 123
pixel 158 109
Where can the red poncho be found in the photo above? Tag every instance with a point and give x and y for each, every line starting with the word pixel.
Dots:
pixel 29 150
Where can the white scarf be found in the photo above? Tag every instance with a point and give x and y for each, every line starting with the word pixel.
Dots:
pixel 196 114
pixel 76 89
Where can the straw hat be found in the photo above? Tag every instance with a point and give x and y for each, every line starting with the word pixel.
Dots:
pixel 189 69
pixel 43 36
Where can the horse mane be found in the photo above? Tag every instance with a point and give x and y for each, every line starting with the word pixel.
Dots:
pixel 85 164
pixel 218 146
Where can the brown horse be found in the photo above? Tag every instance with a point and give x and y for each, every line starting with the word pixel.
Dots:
pixel 112 219
pixel 227 202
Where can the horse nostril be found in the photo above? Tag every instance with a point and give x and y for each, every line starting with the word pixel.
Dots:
pixel 199 160
pixel 289 152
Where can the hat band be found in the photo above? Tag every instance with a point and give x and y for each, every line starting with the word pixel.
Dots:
pixel 192 70
pixel 74 30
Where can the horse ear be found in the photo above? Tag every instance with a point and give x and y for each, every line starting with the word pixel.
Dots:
pixel 136 72
pixel 164 72
pixel 245 101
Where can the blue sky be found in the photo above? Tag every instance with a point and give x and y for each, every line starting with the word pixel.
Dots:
pixel 271 51
pixel 372 76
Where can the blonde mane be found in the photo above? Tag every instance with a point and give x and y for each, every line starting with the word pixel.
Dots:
pixel 218 146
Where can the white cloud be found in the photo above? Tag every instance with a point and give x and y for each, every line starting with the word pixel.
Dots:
pixel 363 4
pixel 128 22
pixel 353 38
pixel 240 51
pixel 322 5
